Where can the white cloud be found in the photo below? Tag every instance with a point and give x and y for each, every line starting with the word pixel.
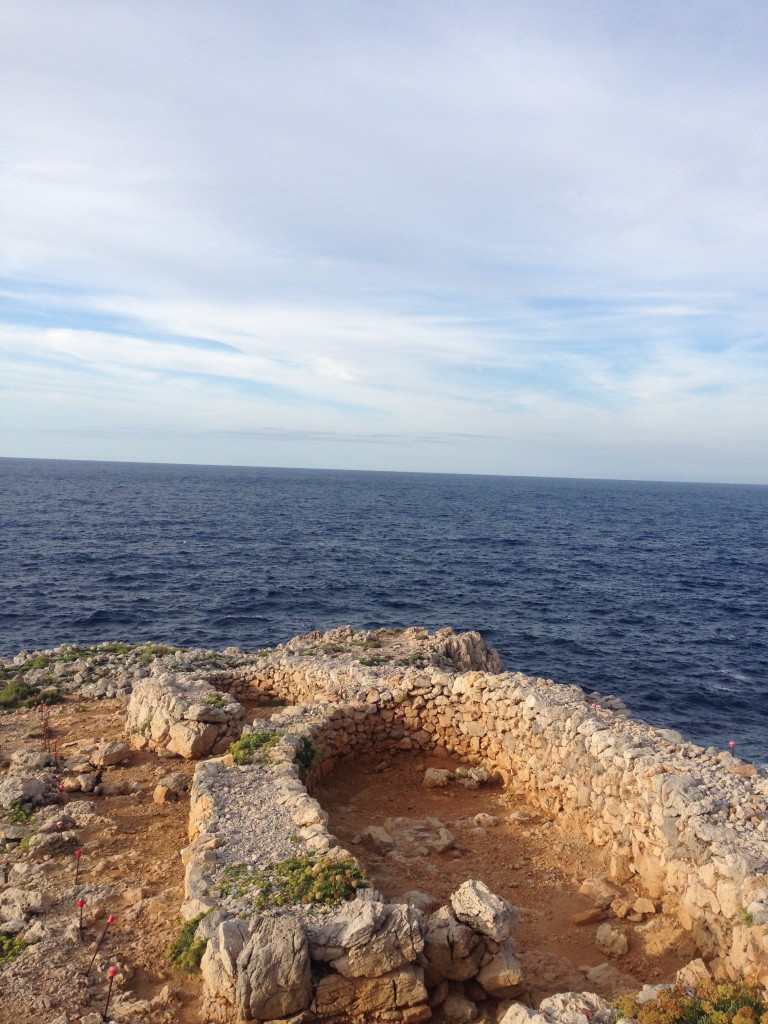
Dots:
pixel 543 223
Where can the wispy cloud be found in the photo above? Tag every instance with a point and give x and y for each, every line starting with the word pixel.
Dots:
pixel 532 233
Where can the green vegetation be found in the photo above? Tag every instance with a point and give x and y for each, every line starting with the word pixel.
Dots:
pixel 10 946
pixel 373 661
pixel 295 880
pixel 16 814
pixel 26 842
pixel 186 951
pixel 218 700
pixel 15 693
pixel 710 1003
pixel 308 756
pixel 746 917
pixel 148 652
pixel 252 747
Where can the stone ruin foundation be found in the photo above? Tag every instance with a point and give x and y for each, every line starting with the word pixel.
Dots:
pixel 687 825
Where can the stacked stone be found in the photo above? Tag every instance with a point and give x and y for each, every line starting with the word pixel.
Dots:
pixel 691 825
pixel 182 714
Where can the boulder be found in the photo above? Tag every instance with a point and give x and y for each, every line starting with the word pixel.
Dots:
pixel 21 787
pixel 474 904
pixel 457 1009
pixel 611 941
pixel 110 753
pixel 436 778
pixel 273 970
pixel 576 1008
pixel 377 839
pixel 397 940
pixel 170 788
pixel 693 974
pixel 503 976
pixel 349 925
pixel 452 950
pixel 347 997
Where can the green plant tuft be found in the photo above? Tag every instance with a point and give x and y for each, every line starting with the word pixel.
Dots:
pixel 10 946
pixel 252 747
pixel 218 700
pixel 308 756
pixel 17 815
pixel 297 879
pixel 186 951
pixel 18 694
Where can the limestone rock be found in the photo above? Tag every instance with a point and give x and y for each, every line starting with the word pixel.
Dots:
pixel 436 778
pixel 491 915
pixel 273 971
pixel 219 963
pixel 457 1009
pixel 693 974
pixel 170 788
pixel 110 753
pixel 349 925
pixel 336 995
pixel 21 787
pixel 415 837
pixel 452 949
pixel 397 940
pixel 502 977
pixel 420 900
pixel 588 916
pixel 377 839
pixel 576 1008
pixel 643 905
pixel 611 941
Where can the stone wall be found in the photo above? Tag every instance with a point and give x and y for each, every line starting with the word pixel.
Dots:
pixel 689 824
pixel 183 714
pixel 361 958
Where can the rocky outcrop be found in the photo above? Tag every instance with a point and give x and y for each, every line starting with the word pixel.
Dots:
pixel 183 715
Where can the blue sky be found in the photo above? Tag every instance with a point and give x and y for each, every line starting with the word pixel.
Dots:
pixel 514 237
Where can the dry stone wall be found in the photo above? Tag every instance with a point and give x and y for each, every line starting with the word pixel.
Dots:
pixel 183 714
pixel 689 824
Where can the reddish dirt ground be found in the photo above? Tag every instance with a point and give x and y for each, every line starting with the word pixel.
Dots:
pixel 134 853
pixel 530 861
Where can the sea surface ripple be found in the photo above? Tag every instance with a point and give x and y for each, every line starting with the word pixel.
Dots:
pixel 655 592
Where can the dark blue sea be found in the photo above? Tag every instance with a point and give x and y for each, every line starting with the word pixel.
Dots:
pixel 655 592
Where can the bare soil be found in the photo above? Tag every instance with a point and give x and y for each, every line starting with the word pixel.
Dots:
pixel 525 857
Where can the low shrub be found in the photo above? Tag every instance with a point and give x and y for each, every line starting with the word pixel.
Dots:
pixel 299 879
pixel 17 815
pixel 306 879
pixel 186 951
pixel 18 694
pixel 10 946
pixel 308 756
pixel 709 1003
pixel 252 747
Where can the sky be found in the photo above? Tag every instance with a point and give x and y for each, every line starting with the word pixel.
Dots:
pixel 521 237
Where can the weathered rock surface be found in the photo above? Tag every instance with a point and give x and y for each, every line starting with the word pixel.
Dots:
pixel 474 904
pixel 182 714
pixel 273 971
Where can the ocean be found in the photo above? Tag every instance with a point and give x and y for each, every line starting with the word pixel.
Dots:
pixel 654 592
